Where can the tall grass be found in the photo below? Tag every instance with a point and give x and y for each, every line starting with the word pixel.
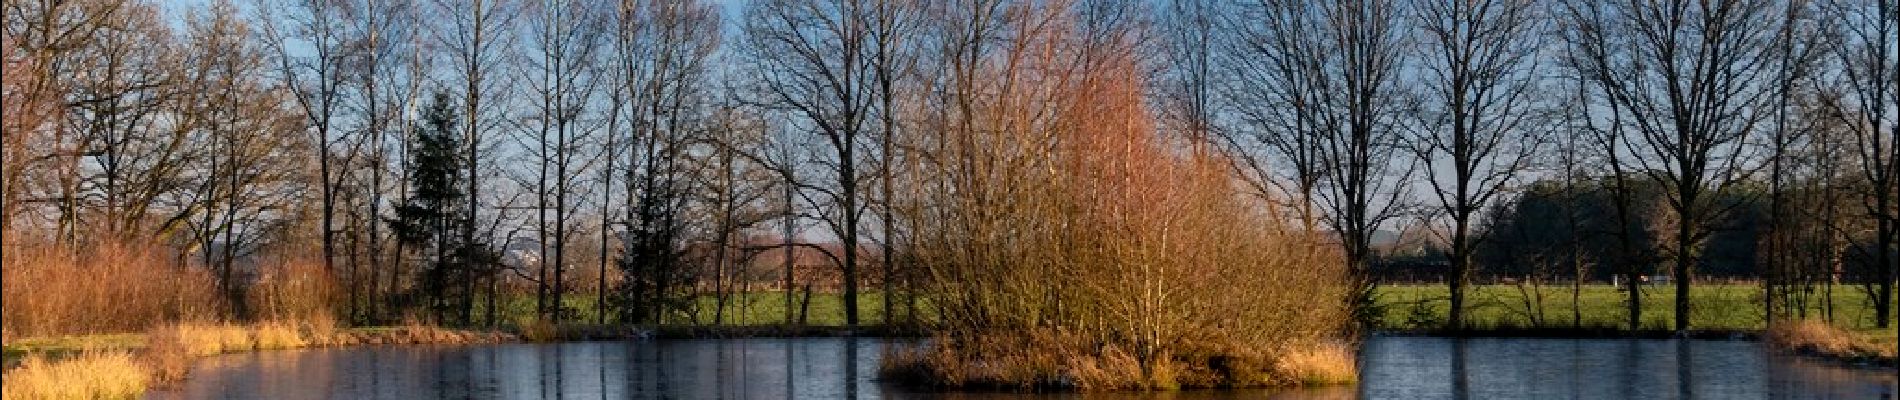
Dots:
pixel 91 375
pixel 1820 338
pixel 294 289
pixel 1326 364
pixel 111 287
pixel 125 287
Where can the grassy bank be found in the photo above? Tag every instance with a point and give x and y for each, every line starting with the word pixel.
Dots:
pixel 1719 311
pixel 1735 307
pixel 125 365
pixel 1505 309
pixel 1818 338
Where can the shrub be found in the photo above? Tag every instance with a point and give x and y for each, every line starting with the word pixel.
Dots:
pixel 90 375
pixel 1071 246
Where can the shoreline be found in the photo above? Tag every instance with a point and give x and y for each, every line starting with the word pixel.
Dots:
pixel 1577 333
pixel 169 352
pixel 1864 355
pixel 396 334
pixel 400 335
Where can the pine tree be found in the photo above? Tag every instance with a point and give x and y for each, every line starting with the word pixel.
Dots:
pixel 431 218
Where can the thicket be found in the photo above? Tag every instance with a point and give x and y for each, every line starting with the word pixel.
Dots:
pixel 1069 246
pixel 119 287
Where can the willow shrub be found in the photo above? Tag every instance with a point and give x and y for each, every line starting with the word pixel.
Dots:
pixel 1068 245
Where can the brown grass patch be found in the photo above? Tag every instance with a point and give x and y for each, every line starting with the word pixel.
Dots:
pixel 198 340
pixel 1324 364
pixel 170 349
pixel 90 375
pixel 294 289
pixel 1044 359
pixel 539 330
pixel 1819 338
pixel 275 335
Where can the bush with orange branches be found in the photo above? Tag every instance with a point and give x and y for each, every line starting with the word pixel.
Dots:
pixel 1072 244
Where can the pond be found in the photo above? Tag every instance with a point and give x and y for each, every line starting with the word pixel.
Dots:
pixel 829 368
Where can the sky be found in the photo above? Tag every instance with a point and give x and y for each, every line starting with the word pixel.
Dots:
pixel 731 8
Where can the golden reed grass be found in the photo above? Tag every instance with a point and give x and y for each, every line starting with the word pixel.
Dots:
pixel 118 287
pixel 1325 364
pixel 109 288
pixel 89 375
pixel 1045 359
pixel 294 289
pixel 1819 338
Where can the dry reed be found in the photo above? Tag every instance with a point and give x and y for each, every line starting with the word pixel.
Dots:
pixel 294 289
pixel 1324 364
pixel 90 375
pixel 109 288
pixel 1819 338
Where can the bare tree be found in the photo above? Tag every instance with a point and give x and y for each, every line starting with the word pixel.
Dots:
pixel 1795 52
pixel 1335 69
pixel 310 43
pixel 1273 136
pixel 1480 127
pixel 128 79
pixel 1866 73
pixel 43 40
pixel 380 35
pixel 661 53
pixel 478 40
pixel 734 188
pixel 1685 79
pixel 893 26
pixel 1192 29
pixel 816 60
pixel 564 74
pixel 27 106
pixel 238 116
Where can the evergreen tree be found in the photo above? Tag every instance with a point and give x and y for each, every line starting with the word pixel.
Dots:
pixel 430 220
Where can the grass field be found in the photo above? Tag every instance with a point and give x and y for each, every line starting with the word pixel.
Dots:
pixel 1401 307
pixel 1718 307
pixel 755 308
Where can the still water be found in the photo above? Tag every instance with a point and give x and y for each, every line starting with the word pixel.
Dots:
pixel 834 368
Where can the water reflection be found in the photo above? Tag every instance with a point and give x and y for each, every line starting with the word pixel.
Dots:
pixel 1393 368
pixel 1460 375
pixel 1431 368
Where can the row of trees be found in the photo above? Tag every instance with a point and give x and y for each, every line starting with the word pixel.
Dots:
pixel 428 153
pixel 1371 111
pixel 433 153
